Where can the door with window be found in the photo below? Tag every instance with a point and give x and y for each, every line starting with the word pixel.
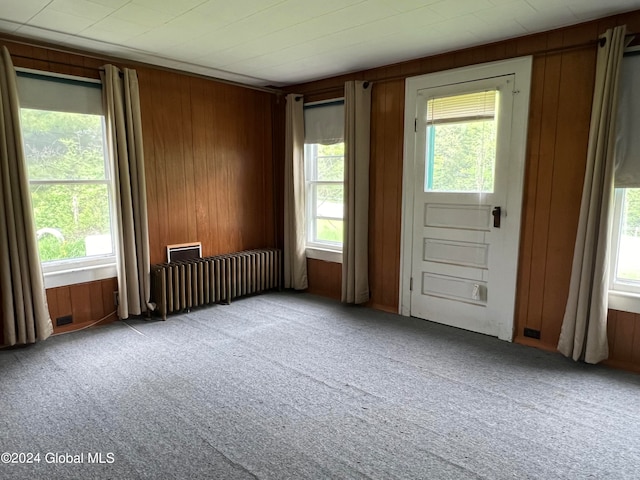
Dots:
pixel 467 191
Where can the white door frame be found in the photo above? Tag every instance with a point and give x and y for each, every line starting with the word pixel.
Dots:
pixel 521 67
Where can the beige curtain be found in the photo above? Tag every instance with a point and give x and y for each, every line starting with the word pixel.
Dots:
pixel 355 247
pixel 25 315
pixel 124 130
pixel 295 260
pixel 584 327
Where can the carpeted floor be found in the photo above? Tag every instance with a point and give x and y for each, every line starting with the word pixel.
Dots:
pixel 294 386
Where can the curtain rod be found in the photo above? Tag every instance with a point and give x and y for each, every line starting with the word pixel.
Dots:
pixel 547 51
pixel 47 46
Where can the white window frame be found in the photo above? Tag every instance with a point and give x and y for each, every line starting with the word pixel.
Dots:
pixel 623 296
pixel 326 251
pixel 58 273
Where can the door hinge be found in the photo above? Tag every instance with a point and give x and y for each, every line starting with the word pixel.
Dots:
pixel 415 125
pixel 411 284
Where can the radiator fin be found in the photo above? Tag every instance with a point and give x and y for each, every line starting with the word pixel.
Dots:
pixel 179 286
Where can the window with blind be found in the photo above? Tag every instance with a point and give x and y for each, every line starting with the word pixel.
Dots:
pixel 461 143
pixel 625 244
pixel 324 176
pixel 63 129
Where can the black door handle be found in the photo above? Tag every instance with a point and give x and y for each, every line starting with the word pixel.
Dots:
pixel 497 213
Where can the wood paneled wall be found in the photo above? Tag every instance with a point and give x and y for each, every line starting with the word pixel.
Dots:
pixel 562 89
pixel 209 163
pixel 327 278
pixel 85 302
pixel 623 334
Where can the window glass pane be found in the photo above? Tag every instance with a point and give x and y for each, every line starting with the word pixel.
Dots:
pixel 329 200
pixel 63 146
pixel 72 221
pixel 461 156
pixel 628 268
pixel 329 230
pixel 330 163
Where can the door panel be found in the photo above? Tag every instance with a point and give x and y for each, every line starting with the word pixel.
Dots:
pixel 462 168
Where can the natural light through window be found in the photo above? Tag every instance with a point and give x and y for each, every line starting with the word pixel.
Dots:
pixel 624 266
pixel 626 236
pixel 324 172
pixel 69 183
pixel 461 143
pixel 69 173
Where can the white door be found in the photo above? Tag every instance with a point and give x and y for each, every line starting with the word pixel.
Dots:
pixel 467 193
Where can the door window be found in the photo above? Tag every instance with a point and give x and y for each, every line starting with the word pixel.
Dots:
pixel 461 143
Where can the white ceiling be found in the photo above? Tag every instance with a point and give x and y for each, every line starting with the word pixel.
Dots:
pixel 278 42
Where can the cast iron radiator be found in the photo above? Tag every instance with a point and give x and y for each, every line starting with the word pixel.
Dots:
pixel 179 286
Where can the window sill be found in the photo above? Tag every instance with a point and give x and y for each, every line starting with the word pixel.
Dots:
pixel 624 301
pixel 79 274
pixel 324 254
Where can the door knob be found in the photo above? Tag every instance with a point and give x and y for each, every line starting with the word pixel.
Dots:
pixel 497 213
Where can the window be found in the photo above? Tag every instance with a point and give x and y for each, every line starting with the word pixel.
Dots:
pixel 63 130
pixel 461 143
pixel 625 242
pixel 624 293
pixel 324 177
pixel 325 194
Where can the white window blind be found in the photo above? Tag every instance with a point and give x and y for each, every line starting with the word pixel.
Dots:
pixel 627 158
pixel 60 94
pixel 324 123
pixel 470 106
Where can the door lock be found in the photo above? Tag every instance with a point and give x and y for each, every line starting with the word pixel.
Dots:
pixel 497 213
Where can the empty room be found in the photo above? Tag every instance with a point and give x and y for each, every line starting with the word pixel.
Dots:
pixel 269 239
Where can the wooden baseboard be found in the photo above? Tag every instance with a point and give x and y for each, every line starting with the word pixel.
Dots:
pixel 533 342
pixel 72 327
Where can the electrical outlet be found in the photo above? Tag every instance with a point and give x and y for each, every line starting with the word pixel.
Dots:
pixel 67 319
pixel 531 333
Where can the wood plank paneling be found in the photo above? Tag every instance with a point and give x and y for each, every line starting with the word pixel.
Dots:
pixel 560 110
pixel 623 332
pixel 209 167
pixel 391 202
pixel 209 164
pixel 80 302
pixel 572 136
pixel 85 302
pixel 325 278
pixel 214 166
pixel 540 209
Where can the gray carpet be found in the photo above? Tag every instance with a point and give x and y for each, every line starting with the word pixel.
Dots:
pixel 288 385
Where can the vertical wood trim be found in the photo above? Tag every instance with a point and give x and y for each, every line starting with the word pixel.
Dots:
pixel 80 302
pixel 529 195
pixel 543 190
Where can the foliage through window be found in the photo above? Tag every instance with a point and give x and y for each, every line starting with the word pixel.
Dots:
pixel 69 174
pixel 626 240
pixel 324 168
pixel 625 233
pixel 324 175
pixel 461 143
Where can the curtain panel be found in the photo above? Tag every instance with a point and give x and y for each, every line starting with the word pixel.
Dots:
pixel 124 130
pixel 25 314
pixel 355 247
pixel 295 260
pixel 584 328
